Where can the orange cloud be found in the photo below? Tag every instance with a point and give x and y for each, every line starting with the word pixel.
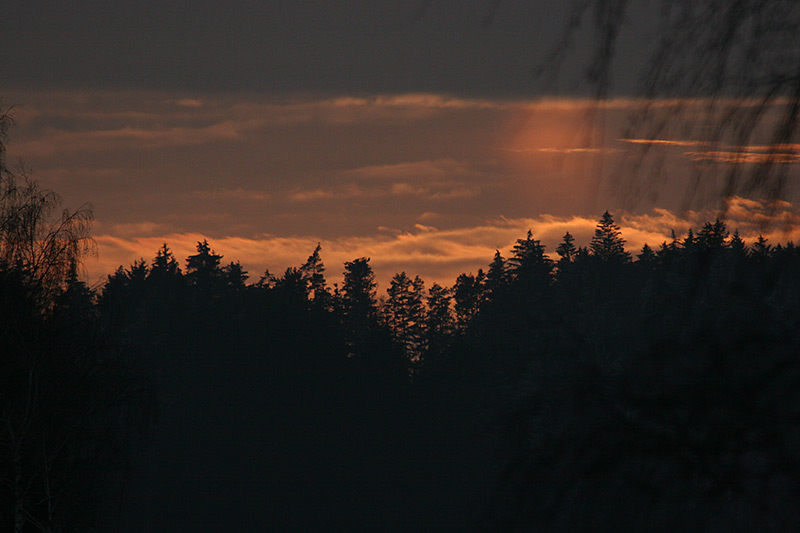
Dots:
pixel 138 229
pixel 740 157
pixel 437 169
pixel 431 191
pixel 755 154
pixel 779 218
pixel 236 194
pixel 349 191
pixel 665 142
pixel 571 151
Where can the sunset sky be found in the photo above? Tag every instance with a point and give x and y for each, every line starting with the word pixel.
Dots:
pixel 413 133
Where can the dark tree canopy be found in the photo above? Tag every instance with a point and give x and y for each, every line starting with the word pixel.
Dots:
pixel 566 250
pixel 203 269
pixel 496 276
pixel 314 272
pixel 164 264
pixel 468 294
pixel 405 315
pixel 607 244
pixel 529 262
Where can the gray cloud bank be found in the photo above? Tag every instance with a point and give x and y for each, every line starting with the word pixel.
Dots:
pixel 320 46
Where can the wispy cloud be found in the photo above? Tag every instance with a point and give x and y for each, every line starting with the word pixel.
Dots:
pixel 55 141
pixel 189 102
pixel 427 170
pixel 666 142
pixel 741 157
pixel 454 193
pixel 566 151
pixel 720 153
pixel 432 191
pixel 339 193
pixel 421 100
pixel 138 229
pixel 234 194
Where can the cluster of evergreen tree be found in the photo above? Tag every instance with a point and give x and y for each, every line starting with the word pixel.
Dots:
pixel 592 390
pixel 657 393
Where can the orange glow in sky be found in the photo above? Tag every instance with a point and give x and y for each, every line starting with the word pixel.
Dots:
pixel 426 183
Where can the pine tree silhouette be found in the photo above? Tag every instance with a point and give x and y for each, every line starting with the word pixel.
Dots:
pixel 607 244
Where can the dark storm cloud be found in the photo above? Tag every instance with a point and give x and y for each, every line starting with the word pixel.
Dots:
pixel 464 47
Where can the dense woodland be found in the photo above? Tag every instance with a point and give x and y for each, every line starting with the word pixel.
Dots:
pixel 578 389
pixel 595 391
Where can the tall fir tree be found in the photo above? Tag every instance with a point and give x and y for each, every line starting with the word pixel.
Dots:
pixel 405 314
pixel 165 264
pixel 468 294
pixel 235 276
pixel 439 317
pixel 712 236
pixel 761 251
pixel 529 265
pixel 689 242
pixel 647 256
pixel 496 276
pixel 359 303
pixel 607 244
pixel 566 250
pixel 737 246
pixel 314 272
pixel 203 269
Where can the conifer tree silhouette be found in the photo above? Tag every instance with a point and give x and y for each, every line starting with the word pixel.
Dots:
pixel 405 314
pixel 529 265
pixel 164 264
pixel 235 276
pixel 359 301
pixel 607 244
pixel 566 250
pixel 712 236
pixel 314 272
pixel 496 277
pixel 737 245
pixel 203 269
pixel 760 251
pixel 647 256
pixel 440 314
pixel 468 294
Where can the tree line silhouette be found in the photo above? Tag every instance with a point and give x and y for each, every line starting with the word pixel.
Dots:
pixel 593 391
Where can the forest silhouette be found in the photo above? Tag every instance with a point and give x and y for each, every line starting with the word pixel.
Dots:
pixel 596 391
pixel 595 388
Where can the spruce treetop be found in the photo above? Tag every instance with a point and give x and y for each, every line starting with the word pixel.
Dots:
pixel 607 244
